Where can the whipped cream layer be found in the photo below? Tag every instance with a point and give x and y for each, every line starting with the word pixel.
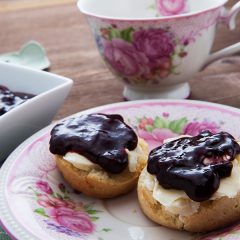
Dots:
pixel 83 163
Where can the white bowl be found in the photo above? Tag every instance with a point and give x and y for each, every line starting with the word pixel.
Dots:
pixel 21 122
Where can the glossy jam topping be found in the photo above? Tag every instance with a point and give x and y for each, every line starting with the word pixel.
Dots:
pixel 194 164
pixel 100 138
pixel 10 100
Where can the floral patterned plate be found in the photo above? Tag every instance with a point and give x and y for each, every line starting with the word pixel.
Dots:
pixel 36 202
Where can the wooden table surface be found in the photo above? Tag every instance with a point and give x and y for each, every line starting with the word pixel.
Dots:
pixel 64 33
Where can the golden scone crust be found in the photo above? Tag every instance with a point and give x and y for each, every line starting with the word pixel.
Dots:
pixel 212 214
pixel 99 183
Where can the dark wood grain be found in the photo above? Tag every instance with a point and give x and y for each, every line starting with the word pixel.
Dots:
pixel 69 44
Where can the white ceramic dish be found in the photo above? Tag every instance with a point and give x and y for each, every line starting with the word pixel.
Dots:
pixel 36 203
pixel 21 122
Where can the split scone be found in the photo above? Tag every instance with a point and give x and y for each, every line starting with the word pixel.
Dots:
pixel 193 183
pixel 98 154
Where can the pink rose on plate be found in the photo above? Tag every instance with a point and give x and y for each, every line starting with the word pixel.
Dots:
pixel 44 187
pixel 157 44
pixel 156 137
pixel 44 201
pixel 146 121
pixel 171 7
pixel 125 58
pixel 74 220
pixel 48 202
pixel 194 128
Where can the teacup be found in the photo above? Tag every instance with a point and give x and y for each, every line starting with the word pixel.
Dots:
pixel 155 46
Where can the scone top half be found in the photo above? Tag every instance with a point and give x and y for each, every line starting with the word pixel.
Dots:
pixel 186 175
pixel 98 143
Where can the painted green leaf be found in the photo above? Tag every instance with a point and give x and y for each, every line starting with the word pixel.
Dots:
pixel 160 123
pixel 127 34
pixel 182 122
pixel 94 218
pixel 138 120
pixel 59 196
pixel 114 33
pixel 151 7
pixel 107 229
pixel 149 128
pixel 88 206
pixel 66 197
pixel 41 212
pixel 177 125
pixel 172 125
pixel 92 211
pixel 99 238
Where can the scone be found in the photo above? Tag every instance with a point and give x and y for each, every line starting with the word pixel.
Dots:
pixel 98 154
pixel 193 183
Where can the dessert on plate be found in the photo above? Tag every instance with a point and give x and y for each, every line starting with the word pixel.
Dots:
pixel 98 154
pixel 193 183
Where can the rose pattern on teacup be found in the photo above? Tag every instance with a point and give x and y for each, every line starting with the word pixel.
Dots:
pixel 62 214
pixel 171 7
pixel 156 130
pixel 142 54
pixel 155 53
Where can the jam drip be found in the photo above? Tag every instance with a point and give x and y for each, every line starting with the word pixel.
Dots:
pixel 100 138
pixel 194 164
pixel 10 100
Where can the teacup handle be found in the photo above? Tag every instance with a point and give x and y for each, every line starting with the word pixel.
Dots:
pixel 229 18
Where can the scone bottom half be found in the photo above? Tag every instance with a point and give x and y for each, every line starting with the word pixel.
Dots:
pixel 193 183
pixel 98 154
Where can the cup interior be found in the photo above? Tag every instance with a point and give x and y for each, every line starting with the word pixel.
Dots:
pixel 145 9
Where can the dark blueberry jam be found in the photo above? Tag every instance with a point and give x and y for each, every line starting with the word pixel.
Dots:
pixel 100 138
pixel 194 164
pixel 10 100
